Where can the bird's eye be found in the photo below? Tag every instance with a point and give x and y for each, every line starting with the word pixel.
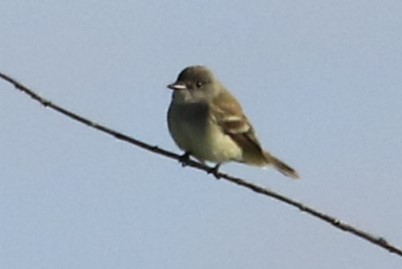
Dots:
pixel 199 84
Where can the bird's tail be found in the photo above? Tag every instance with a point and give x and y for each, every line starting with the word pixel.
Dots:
pixel 281 166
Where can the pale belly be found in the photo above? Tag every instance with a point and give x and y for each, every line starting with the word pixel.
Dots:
pixel 202 139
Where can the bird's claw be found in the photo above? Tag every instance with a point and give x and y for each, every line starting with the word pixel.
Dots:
pixel 183 159
pixel 215 171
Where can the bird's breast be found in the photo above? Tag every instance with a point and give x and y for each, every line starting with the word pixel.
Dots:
pixel 195 131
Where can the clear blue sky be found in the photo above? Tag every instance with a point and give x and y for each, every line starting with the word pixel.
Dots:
pixel 320 80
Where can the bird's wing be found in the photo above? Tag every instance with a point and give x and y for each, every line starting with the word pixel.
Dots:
pixel 228 114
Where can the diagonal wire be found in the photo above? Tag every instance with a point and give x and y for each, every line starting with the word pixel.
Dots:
pixel 376 240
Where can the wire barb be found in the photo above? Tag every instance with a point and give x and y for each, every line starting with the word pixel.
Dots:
pixel 376 240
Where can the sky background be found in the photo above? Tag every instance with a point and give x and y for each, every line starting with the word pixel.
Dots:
pixel 320 80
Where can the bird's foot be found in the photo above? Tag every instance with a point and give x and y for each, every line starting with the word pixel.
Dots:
pixel 215 171
pixel 183 159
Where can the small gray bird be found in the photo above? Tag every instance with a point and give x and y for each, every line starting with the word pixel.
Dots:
pixel 207 122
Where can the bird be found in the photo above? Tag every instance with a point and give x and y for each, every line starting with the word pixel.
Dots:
pixel 208 123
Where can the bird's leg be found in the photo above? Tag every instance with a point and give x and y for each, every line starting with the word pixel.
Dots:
pixel 215 171
pixel 183 159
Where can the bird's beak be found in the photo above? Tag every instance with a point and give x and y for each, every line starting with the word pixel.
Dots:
pixel 177 86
